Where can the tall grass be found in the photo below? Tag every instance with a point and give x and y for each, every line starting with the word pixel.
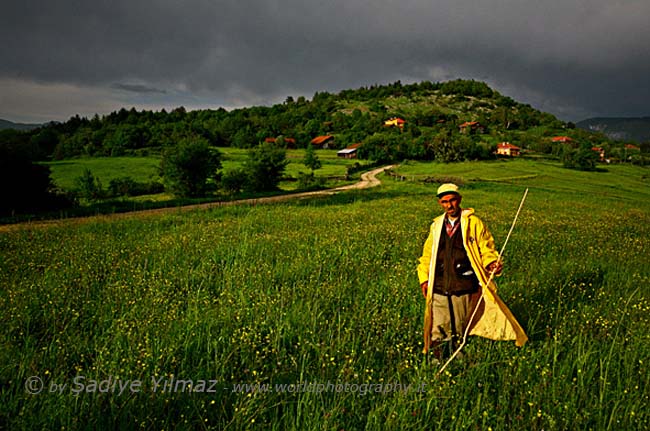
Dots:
pixel 325 291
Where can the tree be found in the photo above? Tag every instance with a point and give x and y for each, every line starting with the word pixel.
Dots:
pixel 583 158
pixel 126 137
pixel 188 166
pixel 383 147
pixel 449 147
pixel 265 166
pixel 311 160
pixel 24 185
pixel 244 138
pixel 45 140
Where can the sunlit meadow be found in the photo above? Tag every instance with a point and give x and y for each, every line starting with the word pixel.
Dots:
pixel 147 169
pixel 325 291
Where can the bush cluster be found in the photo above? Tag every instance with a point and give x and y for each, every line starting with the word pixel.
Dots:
pixel 90 188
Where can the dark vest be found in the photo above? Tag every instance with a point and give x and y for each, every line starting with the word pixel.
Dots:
pixel 454 273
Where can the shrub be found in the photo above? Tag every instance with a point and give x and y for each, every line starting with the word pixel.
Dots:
pixel 89 187
pixel 234 180
pixel 640 159
pixel 127 186
pixel 310 181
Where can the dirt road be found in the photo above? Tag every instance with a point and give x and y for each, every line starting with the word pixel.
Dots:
pixel 368 179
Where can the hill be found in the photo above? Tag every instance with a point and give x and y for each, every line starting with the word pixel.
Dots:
pixel 5 124
pixel 620 129
pixel 467 118
pixel 447 122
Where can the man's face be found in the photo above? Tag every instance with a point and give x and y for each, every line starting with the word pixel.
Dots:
pixel 451 204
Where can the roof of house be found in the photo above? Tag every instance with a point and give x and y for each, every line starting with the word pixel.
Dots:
pixel 396 120
pixel 318 140
pixel 561 139
pixel 508 145
pixel 470 124
pixel 272 140
pixel 347 151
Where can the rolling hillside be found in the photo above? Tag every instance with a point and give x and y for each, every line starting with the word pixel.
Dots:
pixel 621 129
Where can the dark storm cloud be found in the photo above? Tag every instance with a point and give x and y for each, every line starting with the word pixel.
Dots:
pixel 574 58
pixel 138 88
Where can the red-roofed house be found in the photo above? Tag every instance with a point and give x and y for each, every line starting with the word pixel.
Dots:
pixel 395 122
pixel 562 139
pixel 289 142
pixel 471 126
pixel 323 142
pixel 507 149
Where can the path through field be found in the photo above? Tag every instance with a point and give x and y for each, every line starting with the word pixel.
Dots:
pixel 368 179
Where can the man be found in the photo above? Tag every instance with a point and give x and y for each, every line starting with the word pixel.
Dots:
pixel 456 263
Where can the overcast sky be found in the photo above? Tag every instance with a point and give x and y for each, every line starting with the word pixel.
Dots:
pixel 573 58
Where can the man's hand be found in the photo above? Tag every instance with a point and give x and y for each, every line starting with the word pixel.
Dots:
pixel 496 266
pixel 424 288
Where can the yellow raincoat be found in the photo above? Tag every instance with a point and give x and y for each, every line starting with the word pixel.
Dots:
pixel 493 320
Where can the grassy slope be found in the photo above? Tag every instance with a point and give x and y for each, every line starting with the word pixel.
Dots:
pixel 325 291
pixel 617 181
pixel 145 169
pixel 466 108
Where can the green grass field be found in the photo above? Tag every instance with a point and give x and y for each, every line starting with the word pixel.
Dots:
pixel 332 165
pixel 142 169
pixel 323 293
pixel 146 169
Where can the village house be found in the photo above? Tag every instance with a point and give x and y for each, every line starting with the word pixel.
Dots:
pixel 349 152
pixel 323 142
pixel 507 149
pixel 395 122
pixel 288 142
pixel 469 127
pixel 562 139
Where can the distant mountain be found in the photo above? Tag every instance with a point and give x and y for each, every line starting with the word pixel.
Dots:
pixel 4 124
pixel 621 129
